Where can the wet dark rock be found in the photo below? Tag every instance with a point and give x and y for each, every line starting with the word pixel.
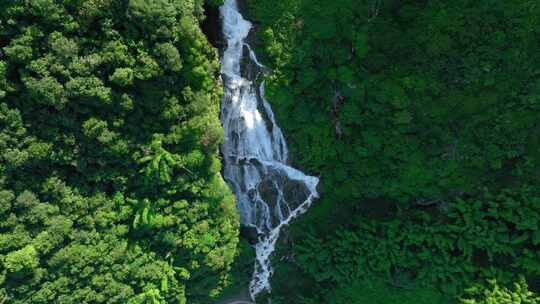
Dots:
pixel 211 26
pixel 250 234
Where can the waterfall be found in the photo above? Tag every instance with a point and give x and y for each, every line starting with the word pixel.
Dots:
pixel 269 193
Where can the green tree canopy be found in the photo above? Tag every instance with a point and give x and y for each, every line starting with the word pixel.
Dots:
pixel 110 186
pixel 421 118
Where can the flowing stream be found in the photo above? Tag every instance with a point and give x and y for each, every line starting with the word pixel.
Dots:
pixel 269 193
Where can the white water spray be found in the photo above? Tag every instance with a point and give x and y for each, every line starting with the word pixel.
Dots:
pixel 269 193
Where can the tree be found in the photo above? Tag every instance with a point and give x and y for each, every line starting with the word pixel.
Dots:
pixel 417 116
pixel 110 186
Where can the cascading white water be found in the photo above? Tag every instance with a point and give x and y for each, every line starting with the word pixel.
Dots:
pixel 269 193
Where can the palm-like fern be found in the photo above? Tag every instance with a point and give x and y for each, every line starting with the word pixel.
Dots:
pixel 159 164
pixel 143 215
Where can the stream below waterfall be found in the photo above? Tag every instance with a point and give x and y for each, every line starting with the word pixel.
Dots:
pixel 269 193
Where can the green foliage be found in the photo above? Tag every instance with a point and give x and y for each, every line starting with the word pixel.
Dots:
pixel 377 292
pixel 23 260
pixel 214 3
pixel 122 76
pixel 110 186
pixel 477 240
pixel 151 296
pixel 493 293
pixel 419 118
pixel 241 270
pixel 169 56
pixel 159 168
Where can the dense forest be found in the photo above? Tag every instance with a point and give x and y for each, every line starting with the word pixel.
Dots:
pixel 421 117
pixel 423 120
pixel 110 185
